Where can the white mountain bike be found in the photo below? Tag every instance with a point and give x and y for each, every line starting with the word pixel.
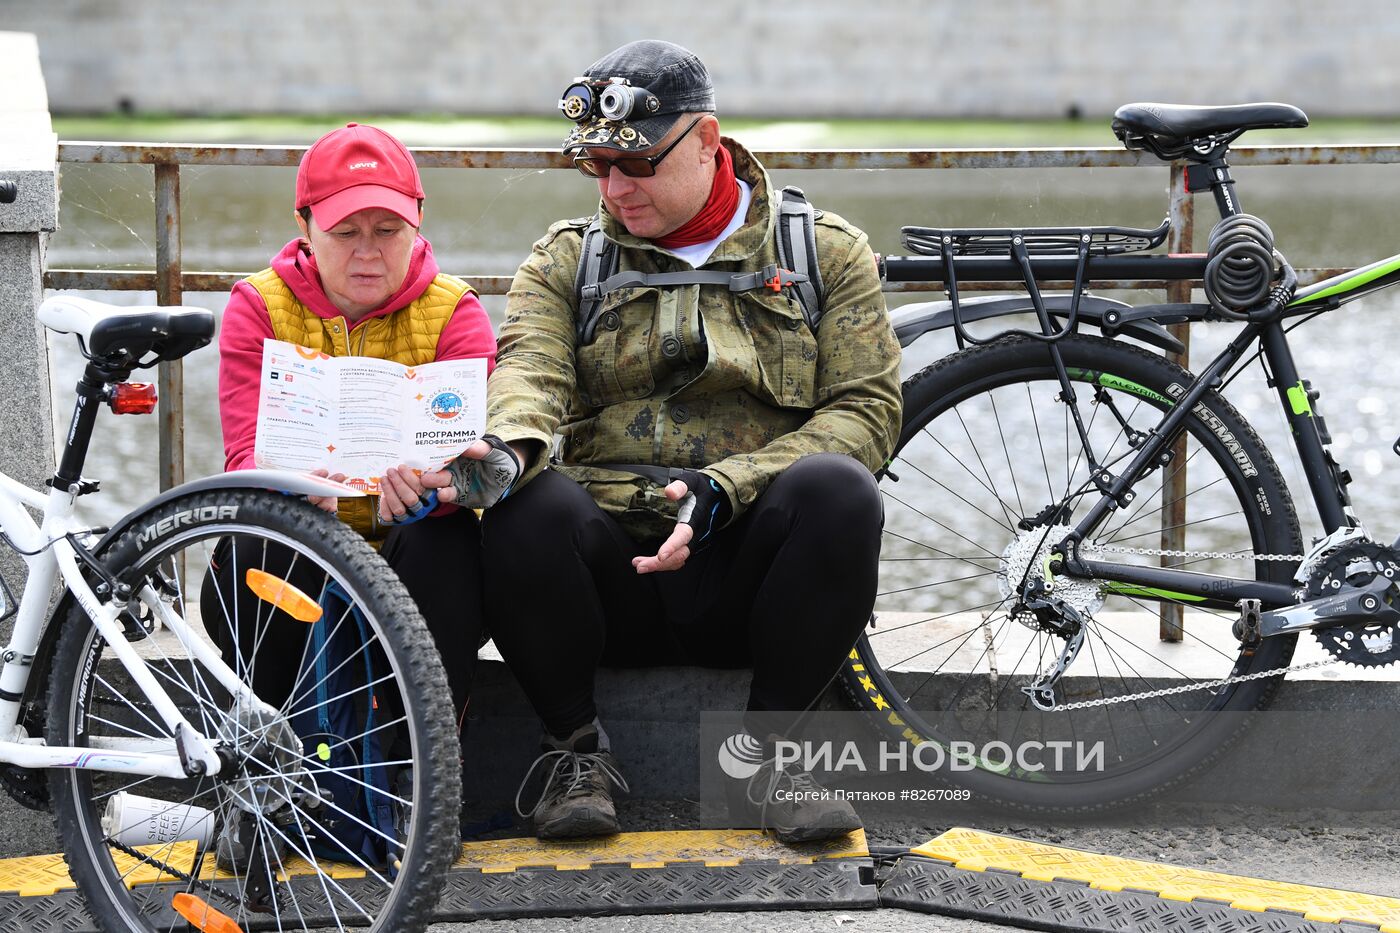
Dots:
pixel 181 795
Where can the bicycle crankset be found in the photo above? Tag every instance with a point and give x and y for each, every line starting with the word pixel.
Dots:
pixel 1361 565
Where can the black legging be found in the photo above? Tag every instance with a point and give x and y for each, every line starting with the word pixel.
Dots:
pixel 438 559
pixel 785 590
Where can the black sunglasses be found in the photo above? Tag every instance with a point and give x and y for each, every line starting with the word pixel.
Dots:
pixel 631 166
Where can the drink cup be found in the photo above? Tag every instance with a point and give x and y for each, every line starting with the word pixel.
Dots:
pixel 139 821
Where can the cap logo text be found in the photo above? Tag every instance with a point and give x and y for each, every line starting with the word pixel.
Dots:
pixel 359 165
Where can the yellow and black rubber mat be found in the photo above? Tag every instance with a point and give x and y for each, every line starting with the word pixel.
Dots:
pixel 634 873
pixel 966 873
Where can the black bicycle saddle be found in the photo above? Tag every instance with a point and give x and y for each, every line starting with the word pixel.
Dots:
pixel 1169 129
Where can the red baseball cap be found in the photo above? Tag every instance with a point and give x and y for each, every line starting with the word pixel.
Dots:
pixel 356 167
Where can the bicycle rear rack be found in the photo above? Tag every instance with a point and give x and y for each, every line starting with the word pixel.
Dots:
pixel 1020 245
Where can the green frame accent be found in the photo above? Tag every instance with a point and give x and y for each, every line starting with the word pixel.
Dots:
pixel 1298 400
pixel 1351 281
pixel 1132 589
pixel 1109 381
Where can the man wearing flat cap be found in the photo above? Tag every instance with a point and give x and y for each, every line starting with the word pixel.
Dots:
pixel 683 423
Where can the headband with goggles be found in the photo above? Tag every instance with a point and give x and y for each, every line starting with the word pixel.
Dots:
pixel 612 99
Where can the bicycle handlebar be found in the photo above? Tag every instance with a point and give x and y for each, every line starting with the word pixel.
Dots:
pixel 8 192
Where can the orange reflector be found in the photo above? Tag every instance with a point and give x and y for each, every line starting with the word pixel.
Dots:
pixel 202 916
pixel 283 595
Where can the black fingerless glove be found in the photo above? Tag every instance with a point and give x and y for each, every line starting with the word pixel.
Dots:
pixel 482 483
pixel 705 508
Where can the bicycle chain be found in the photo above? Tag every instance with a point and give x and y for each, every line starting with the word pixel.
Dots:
pixel 1216 555
pixel 1208 685
pixel 175 872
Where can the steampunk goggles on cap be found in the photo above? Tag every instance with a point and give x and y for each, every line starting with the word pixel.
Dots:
pixel 612 99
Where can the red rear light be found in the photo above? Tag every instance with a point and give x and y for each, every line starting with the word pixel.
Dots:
pixel 133 398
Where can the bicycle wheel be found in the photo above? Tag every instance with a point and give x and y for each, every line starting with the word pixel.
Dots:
pixel 990 470
pixel 270 830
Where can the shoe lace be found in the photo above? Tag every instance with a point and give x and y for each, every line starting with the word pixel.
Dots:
pixel 770 779
pixel 572 774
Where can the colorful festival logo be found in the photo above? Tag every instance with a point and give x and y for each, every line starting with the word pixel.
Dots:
pixel 445 405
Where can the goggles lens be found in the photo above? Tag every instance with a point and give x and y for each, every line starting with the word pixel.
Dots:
pixel 577 102
pixel 615 103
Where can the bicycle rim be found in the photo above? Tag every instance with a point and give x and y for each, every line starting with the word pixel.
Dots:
pixel 297 852
pixel 989 456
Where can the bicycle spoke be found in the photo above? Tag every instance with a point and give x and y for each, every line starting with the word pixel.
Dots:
pixel 1010 519
pixel 1004 429
pixel 1010 470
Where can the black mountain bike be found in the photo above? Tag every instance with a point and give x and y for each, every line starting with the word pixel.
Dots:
pixel 1037 468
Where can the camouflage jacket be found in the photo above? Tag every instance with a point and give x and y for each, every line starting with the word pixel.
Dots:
pixel 697 377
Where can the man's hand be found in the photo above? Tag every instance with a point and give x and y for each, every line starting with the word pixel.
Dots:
pixel 483 475
pixel 326 503
pixel 704 510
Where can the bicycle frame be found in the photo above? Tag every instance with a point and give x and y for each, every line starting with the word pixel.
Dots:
pixel 1325 479
pixel 1328 492
pixel 55 558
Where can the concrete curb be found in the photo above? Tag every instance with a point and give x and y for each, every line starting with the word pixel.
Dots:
pixel 1302 744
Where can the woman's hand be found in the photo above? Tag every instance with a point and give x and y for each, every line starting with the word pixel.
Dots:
pixel 327 503
pixel 403 496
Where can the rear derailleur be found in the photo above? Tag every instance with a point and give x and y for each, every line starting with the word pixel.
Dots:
pixel 1038 610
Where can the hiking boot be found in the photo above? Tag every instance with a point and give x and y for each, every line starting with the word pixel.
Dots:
pixel 790 803
pixel 577 797
pixel 235 842
pixel 402 808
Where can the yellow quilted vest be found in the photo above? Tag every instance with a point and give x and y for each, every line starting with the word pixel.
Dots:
pixel 408 336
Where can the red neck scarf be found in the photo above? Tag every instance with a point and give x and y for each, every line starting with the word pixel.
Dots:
pixel 717 212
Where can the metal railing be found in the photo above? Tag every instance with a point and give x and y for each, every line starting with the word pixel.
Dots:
pixel 169 280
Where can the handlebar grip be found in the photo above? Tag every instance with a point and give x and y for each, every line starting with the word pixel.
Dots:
pixel 8 192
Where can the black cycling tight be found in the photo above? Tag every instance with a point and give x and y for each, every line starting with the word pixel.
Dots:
pixel 785 590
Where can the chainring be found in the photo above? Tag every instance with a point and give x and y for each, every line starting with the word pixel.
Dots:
pixel 1363 644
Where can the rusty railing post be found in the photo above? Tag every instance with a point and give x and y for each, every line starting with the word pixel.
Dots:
pixel 170 378
pixel 1179 240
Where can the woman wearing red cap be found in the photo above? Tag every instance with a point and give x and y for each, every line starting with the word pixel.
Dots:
pixel 360 281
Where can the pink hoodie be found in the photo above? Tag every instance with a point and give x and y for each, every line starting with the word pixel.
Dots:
pixel 246 324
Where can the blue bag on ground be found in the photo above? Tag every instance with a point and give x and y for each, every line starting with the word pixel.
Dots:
pixel 337 722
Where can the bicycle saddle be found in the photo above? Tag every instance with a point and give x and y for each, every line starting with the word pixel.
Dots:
pixel 108 331
pixel 1173 126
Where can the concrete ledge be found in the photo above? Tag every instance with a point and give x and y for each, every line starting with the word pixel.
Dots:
pixel 28 149
pixel 652 716
pixel 35 208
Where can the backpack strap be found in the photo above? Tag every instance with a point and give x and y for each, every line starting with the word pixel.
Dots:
pixel 597 274
pixel 597 261
pixel 797 250
pixel 771 276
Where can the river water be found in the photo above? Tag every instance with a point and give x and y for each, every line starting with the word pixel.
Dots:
pixel 483 222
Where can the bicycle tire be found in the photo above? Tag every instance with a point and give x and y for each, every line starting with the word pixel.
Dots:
pixel 952 414
pixel 89 702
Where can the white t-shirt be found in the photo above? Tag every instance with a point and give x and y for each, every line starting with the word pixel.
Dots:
pixel 698 254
